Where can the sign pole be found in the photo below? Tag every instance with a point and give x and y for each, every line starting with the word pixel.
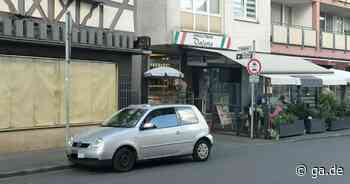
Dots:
pixel 67 74
pixel 252 102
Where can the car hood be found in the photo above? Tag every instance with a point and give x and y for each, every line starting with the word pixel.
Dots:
pixel 99 132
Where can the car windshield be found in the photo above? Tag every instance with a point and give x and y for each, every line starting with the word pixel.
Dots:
pixel 126 118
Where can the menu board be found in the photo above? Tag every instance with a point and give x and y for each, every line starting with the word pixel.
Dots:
pixel 224 114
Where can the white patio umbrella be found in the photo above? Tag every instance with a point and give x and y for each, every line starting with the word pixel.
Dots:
pixel 166 72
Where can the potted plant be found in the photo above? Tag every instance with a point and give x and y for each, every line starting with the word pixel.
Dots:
pixel 341 120
pixel 314 122
pixel 287 124
pixel 336 116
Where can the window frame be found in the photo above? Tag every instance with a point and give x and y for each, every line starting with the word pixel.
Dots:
pixel 195 13
pixel 182 121
pixel 178 123
pixel 245 17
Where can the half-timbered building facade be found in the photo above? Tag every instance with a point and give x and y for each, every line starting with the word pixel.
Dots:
pixel 104 57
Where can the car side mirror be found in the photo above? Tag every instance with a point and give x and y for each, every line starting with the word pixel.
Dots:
pixel 148 126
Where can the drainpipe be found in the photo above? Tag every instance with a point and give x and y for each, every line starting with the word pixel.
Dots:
pixel 316 14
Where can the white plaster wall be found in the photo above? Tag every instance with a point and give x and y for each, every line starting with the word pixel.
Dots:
pixel 36 13
pixel 158 19
pixel 302 15
pixel 126 21
pixel 244 32
pixel 108 15
pixel 3 6
pixel 58 9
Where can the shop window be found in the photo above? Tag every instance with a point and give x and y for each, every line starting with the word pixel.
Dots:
pixel 201 15
pixel 230 75
pixel 244 9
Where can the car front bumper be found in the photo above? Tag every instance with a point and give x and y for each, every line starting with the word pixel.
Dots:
pixel 93 162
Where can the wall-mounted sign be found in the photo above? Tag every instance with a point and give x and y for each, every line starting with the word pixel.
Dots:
pixel 202 40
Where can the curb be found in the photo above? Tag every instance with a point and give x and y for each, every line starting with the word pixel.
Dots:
pixel 317 137
pixel 34 170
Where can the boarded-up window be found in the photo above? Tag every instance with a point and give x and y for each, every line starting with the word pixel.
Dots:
pixel 31 91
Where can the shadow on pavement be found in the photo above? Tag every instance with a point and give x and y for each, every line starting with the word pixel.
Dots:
pixel 149 164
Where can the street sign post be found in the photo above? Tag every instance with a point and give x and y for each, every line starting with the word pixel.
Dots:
pixel 254 68
pixel 68 48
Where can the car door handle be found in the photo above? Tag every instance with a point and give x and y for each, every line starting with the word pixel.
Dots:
pixel 178 132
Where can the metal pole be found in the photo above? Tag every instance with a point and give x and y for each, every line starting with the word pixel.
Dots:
pixel 66 75
pixel 252 102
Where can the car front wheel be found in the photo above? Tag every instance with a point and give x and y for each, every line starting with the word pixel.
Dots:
pixel 201 150
pixel 124 160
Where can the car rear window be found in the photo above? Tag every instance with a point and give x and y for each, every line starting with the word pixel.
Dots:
pixel 187 115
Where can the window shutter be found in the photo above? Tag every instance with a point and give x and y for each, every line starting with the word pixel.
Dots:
pixel 251 8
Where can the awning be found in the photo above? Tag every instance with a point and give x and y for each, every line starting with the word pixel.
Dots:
pixel 283 80
pixel 309 81
pixel 345 75
pixel 164 72
pixel 332 79
pixel 275 64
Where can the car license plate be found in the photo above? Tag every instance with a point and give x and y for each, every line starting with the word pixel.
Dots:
pixel 81 155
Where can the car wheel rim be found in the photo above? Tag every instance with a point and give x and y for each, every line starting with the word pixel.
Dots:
pixel 203 151
pixel 124 160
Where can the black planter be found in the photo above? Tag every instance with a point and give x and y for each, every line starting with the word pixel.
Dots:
pixel 287 130
pixel 339 124
pixel 315 126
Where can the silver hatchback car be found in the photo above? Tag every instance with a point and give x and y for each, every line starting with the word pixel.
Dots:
pixel 143 132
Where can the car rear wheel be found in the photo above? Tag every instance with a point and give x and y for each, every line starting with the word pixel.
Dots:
pixel 201 150
pixel 124 160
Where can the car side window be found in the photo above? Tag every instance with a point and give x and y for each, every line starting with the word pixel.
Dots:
pixel 187 115
pixel 163 118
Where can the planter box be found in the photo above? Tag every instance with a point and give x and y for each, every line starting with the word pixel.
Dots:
pixel 315 126
pixel 340 124
pixel 287 130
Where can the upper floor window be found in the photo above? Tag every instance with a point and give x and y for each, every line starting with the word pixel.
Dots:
pixel 244 9
pixel 201 15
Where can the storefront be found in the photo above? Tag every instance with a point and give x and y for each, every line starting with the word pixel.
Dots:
pixel 209 78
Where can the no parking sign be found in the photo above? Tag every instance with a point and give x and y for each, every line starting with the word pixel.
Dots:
pixel 254 67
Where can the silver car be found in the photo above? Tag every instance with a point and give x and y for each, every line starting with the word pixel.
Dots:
pixel 143 132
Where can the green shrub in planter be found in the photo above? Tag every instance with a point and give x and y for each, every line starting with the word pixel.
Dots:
pixel 314 122
pixel 341 119
pixel 286 124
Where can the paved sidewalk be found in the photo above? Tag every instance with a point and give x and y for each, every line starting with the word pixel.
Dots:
pixel 16 164
pixel 32 162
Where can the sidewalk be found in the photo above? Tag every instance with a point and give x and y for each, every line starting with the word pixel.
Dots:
pixel 32 162
pixel 47 160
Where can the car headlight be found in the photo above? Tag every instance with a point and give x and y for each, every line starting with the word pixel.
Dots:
pixel 98 145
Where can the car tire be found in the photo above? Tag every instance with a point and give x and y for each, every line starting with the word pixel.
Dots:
pixel 201 151
pixel 124 159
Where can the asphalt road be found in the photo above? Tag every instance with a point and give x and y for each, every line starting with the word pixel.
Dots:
pixel 264 163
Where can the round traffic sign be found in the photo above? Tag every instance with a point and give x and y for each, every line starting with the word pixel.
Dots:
pixel 254 67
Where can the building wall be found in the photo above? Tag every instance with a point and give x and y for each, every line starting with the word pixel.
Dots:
pixel 158 19
pixel 302 15
pixel 111 14
pixel 243 32
pixel 36 139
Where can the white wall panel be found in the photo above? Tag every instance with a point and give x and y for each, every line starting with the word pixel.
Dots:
pixel 108 15
pixel 126 21
pixel 3 6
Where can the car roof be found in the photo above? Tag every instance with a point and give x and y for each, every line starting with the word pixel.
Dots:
pixel 152 107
